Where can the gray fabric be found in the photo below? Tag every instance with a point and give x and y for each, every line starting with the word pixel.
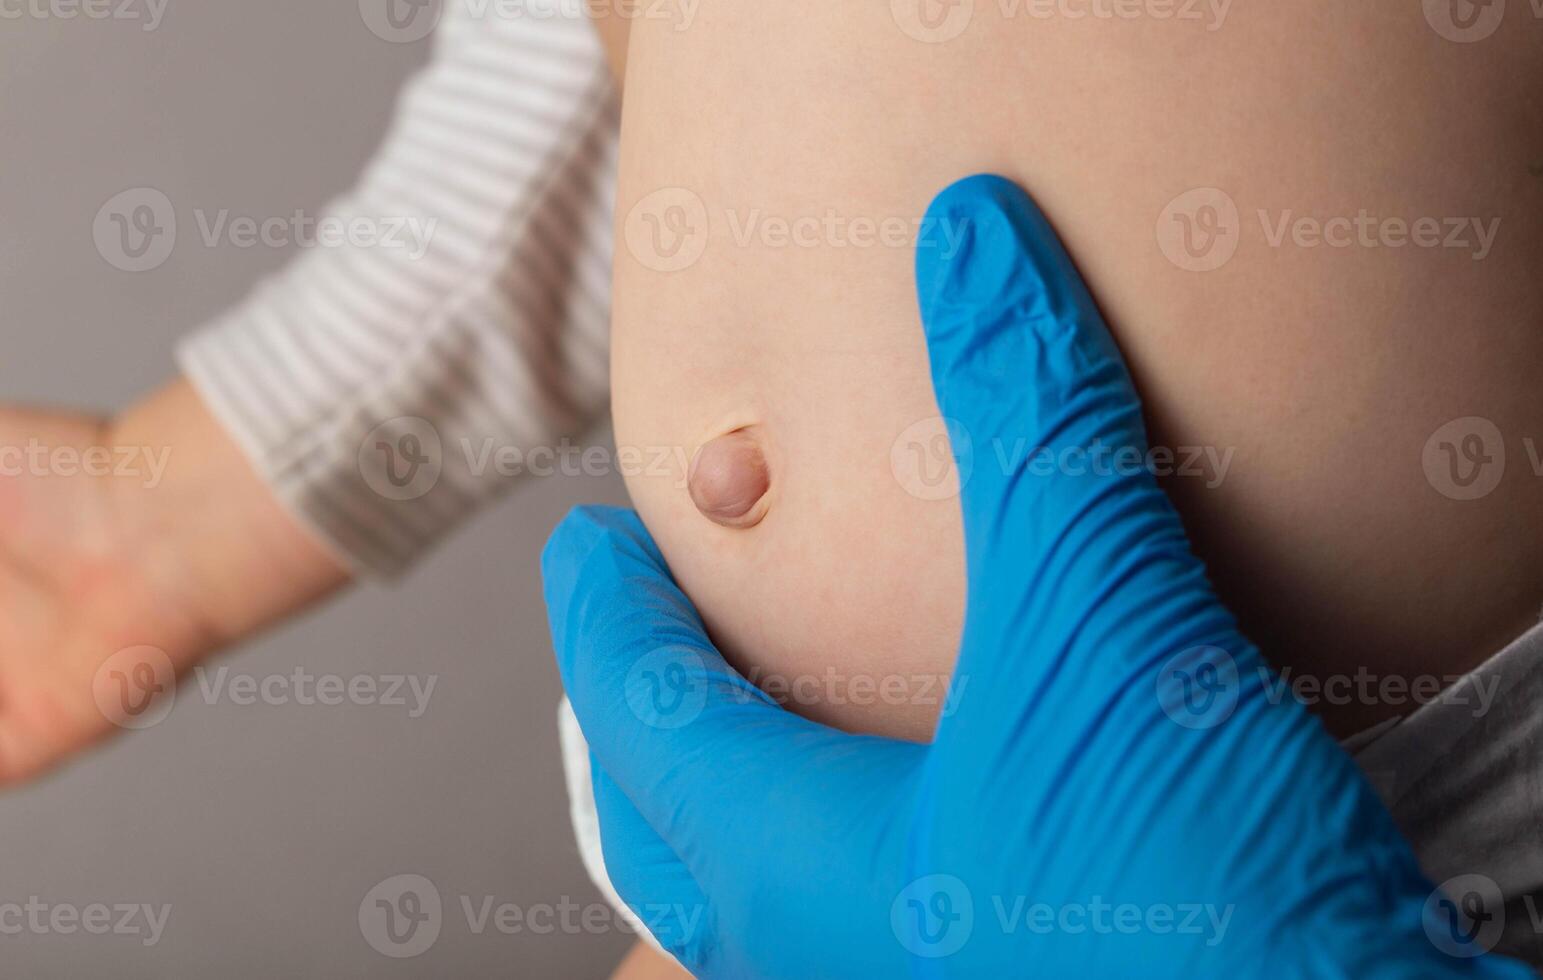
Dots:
pixel 1464 779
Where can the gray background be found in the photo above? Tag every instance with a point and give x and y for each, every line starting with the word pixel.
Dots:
pixel 264 826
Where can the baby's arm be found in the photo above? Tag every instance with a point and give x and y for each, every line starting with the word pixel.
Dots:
pixel 270 460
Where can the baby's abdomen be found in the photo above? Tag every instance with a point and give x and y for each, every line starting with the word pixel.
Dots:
pixel 776 156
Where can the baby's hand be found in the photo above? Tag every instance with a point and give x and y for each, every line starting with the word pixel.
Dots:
pixel 129 551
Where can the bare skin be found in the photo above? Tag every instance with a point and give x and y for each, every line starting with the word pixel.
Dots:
pixel 1322 370
pixel 186 563
pixel 1319 371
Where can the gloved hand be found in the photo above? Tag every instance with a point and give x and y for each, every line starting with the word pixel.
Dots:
pixel 1114 794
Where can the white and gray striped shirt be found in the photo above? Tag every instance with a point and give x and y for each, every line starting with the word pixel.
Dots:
pixel 354 361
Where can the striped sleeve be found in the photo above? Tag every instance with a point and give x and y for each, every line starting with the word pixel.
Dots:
pixel 388 384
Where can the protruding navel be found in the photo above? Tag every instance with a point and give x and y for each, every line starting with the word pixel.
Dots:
pixel 729 479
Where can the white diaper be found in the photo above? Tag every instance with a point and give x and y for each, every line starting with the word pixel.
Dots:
pixel 586 819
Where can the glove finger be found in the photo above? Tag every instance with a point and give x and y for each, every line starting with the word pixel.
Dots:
pixel 715 767
pixel 1077 561
pixel 649 876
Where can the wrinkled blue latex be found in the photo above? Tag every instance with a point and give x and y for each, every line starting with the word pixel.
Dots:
pixel 1112 754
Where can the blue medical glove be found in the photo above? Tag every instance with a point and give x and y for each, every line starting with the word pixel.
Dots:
pixel 1114 793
